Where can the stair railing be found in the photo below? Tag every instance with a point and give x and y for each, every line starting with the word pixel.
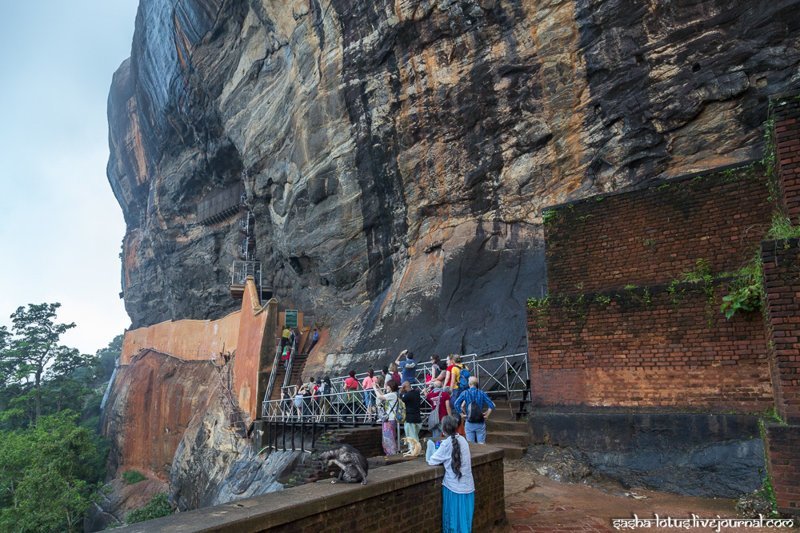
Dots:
pixel 274 371
pixel 287 377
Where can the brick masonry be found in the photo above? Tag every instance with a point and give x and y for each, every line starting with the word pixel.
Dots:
pixel 782 280
pixel 786 116
pixel 651 235
pixel 647 352
pixel 648 349
pixel 783 453
pixel 401 497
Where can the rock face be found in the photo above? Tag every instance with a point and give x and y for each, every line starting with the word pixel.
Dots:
pixel 213 465
pixel 150 406
pixel 396 154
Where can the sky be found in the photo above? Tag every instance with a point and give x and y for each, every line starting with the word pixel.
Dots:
pixel 61 228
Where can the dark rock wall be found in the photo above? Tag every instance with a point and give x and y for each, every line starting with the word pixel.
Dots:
pixel 397 154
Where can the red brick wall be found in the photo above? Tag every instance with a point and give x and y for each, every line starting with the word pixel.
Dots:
pixel 648 350
pixel 399 498
pixel 782 280
pixel 786 115
pixel 652 235
pixel 783 457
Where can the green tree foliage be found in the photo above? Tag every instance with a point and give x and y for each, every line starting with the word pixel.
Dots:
pixel 51 457
pixel 49 474
pixel 33 354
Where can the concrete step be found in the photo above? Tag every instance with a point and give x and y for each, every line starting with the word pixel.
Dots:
pixel 508 437
pixel 512 451
pixel 493 424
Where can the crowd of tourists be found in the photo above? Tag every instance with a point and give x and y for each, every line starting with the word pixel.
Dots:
pixel 397 399
pixel 455 408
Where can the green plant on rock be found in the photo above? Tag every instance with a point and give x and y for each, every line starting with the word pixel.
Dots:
pixel 782 228
pixel 602 300
pixel 132 477
pixel 745 291
pixel 157 507
pixel 549 216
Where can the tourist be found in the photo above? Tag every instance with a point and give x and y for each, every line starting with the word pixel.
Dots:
pixel 394 374
pixel 285 336
pixel 437 372
pixel 452 376
pixel 389 399
pixel 439 400
pixel 407 366
pixel 314 339
pixel 325 391
pixel 351 388
pixel 369 396
pixel 287 354
pixel 458 486
pixel 413 423
pixel 299 397
pixel 472 403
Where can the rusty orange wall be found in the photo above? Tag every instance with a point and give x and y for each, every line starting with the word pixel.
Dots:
pixel 246 366
pixel 189 340
pixel 202 340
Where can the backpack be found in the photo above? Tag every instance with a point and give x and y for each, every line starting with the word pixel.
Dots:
pixel 400 414
pixel 474 413
pixel 463 379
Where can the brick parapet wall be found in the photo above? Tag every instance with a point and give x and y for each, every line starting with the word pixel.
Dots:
pixel 648 348
pixel 781 260
pixel 783 461
pixel 401 497
pixel 786 119
pixel 652 235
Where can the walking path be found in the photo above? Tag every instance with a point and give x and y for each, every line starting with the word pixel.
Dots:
pixel 539 504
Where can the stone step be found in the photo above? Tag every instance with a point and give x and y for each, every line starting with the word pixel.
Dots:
pixel 494 424
pixel 512 451
pixel 507 437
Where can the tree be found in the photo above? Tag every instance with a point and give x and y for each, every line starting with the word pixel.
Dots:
pixel 49 475
pixel 33 350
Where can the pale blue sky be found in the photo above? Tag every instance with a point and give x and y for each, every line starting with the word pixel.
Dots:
pixel 60 227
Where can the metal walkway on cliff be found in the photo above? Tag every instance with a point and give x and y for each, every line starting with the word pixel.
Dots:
pixel 295 422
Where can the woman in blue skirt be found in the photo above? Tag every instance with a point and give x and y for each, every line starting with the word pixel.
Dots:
pixel 458 487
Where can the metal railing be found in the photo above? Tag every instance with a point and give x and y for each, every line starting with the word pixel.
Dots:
pixel 504 375
pixel 347 408
pixel 274 372
pixel 287 377
pixel 241 269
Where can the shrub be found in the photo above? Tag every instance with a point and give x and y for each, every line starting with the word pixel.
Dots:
pixel 157 507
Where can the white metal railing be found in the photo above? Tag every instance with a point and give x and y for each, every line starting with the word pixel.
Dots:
pixel 499 375
pixel 274 371
pixel 347 407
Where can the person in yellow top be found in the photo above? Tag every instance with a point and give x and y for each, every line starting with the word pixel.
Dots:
pixel 285 336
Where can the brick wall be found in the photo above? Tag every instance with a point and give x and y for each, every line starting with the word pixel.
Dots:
pixel 648 349
pixel 401 497
pixel 783 459
pixel 652 235
pixel 786 116
pixel 782 281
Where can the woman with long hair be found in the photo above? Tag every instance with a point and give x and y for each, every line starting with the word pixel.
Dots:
pixel 458 487
pixel 390 409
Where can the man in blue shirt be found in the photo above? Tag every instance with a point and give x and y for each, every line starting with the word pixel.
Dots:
pixel 407 367
pixel 471 403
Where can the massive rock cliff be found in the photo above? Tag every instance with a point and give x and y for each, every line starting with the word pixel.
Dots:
pixel 396 154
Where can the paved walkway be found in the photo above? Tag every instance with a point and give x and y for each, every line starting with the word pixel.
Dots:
pixel 539 504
